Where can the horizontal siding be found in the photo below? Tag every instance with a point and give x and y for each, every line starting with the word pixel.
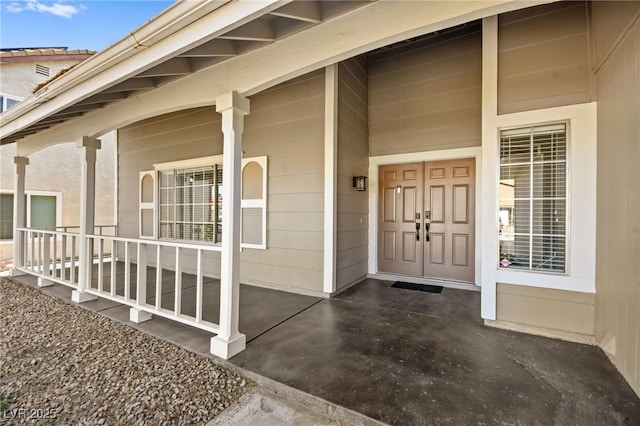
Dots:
pixel 286 123
pixel 353 160
pixel 547 309
pixel 543 57
pixel 428 97
pixel 618 221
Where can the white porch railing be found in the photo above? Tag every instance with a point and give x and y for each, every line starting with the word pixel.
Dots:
pixel 144 255
pixel 54 255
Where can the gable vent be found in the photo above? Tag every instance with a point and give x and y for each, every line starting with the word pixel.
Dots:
pixel 41 69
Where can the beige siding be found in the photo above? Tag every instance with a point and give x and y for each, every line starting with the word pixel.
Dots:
pixel 555 313
pixel 286 124
pixel 353 153
pixel 617 324
pixel 427 97
pixel 543 57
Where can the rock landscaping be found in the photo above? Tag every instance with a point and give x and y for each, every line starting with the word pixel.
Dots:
pixel 61 364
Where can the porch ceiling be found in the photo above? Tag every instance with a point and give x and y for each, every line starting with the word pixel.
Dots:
pixel 263 28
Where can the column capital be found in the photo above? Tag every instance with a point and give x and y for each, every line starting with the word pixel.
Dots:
pixel 88 142
pixel 232 100
pixel 22 161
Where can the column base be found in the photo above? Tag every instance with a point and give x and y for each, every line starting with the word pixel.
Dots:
pixel 81 296
pixel 43 282
pixel 138 316
pixel 225 348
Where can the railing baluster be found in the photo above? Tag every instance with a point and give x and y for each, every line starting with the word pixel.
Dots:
pixel 177 299
pixel 72 263
pixel 46 254
pixel 55 255
pixel 158 276
pixel 199 287
pixel 141 278
pixel 100 265
pixel 63 258
pixel 127 271
pixel 112 289
pixel 33 253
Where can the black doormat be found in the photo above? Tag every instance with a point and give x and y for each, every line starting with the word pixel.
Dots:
pixel 419 287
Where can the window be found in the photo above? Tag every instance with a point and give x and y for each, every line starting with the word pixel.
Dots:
pixel 7 101
pixel 6 216
pixel 190 204
pixel 533 198
pixel 42 212
pixel 189 201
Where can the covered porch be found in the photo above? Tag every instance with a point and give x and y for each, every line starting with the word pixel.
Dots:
pixel 398 356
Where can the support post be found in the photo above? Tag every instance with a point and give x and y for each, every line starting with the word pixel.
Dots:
pixel 89 146
pixel 19 214
pixel 229 340
pixel 489 186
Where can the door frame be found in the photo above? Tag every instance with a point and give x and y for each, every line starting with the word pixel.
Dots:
pixel 446 154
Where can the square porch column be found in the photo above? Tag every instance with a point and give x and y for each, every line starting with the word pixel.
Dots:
pixel 89 146
pixel 19 213
pixel 229 340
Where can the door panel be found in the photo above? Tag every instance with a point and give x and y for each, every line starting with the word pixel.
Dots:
pixel 450 194
pixel 401 198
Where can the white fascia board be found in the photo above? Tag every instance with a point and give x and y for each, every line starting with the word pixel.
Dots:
pixel 359 31
pixel 178 29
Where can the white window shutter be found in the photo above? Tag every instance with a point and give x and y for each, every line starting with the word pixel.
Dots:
pixel 147 189
pixel 254 203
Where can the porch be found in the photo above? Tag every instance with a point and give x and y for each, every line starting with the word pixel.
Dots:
pixel 399 356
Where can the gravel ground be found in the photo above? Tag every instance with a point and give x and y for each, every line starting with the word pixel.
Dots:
pixel 61 364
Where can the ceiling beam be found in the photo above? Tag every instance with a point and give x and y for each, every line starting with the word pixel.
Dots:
pixel 101 98
pixel 213 48
pixel 307 11
pixel 132 85
pixel 258 30
pixel 175 66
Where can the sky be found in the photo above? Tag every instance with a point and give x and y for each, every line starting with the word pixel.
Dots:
pixel 81 24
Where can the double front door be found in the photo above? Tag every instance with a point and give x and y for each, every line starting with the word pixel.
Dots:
pixel 427 219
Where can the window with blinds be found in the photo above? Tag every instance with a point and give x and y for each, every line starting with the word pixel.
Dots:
pixel 533 198
pixel 190 204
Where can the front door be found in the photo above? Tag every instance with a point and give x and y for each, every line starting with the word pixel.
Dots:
pixel 427 219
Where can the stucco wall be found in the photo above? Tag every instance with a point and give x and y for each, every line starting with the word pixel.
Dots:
pixel 57 169
pixel 19 79
pixel 286 123
pixel 617 322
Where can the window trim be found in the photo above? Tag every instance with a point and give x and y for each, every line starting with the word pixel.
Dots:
pixel 203 162
pixel 568 197
pixel 5 97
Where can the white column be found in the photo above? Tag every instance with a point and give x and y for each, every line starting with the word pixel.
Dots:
pixel 229 340
pixel 19 213
pixel 89 146
pixel 330 176
pixel 489 207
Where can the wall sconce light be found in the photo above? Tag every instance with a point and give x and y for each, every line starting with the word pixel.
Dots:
pixel 360 183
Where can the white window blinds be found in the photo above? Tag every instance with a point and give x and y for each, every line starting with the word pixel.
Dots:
pixel 533 198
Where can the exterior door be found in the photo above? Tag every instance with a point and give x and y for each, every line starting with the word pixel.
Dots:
pixel 427 219
pixel 449 199
pixel 400 193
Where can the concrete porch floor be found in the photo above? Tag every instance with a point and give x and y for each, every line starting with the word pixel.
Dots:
pixel 407 357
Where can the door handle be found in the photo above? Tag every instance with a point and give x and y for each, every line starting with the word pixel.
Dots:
pixel 417 231
pixel 426 232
